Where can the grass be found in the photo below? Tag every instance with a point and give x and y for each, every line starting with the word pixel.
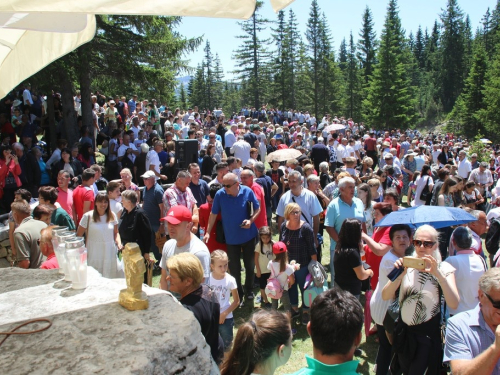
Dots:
pixel 302 343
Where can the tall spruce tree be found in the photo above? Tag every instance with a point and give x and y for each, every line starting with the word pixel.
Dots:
pixel 367 45
pixel 354 87
pixel 470 103
pixel 390 102
pixel 452 54
pixel 313 36
pixel 490 115
pixel 252 55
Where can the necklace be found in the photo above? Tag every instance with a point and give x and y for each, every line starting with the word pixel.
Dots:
pixel 292 233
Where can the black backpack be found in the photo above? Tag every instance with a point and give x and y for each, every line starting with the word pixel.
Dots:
pixel 492 240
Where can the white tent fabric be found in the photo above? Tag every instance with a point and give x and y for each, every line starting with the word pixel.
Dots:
pixel 33 33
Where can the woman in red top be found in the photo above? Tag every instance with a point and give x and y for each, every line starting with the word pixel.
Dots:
pixel 379 243
pixel 9 175
pixel 204 214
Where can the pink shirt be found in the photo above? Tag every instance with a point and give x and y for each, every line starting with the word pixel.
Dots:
pixel 261 220
pixel 65 199
pixel 50 263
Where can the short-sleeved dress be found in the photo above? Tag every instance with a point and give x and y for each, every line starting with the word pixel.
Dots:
pixel 101 248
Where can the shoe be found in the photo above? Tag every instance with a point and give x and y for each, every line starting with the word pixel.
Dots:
pixel 358 352
pixel 258 299
pixel 250 296
pixel 305 318
pixel 295 314
pixel 266 305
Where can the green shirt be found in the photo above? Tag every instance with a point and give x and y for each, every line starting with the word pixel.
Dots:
pixel 315 367
pixel 60 217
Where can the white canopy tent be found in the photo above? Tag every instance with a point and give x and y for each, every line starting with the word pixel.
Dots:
pixel 33 33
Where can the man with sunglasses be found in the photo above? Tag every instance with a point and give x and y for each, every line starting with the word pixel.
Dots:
pixel 240 230
pixel 473 337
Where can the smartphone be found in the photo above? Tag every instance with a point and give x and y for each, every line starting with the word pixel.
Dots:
pixel 413 262
pixel 242 224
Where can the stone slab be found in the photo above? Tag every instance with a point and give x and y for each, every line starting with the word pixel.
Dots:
pixel 91 333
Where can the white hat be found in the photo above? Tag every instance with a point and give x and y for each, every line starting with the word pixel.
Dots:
pixel 279 131
pixel 148 174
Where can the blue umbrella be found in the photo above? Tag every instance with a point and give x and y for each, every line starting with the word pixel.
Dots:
pixel 436 216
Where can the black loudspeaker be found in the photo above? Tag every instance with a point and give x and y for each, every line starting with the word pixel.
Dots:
pixel 186 152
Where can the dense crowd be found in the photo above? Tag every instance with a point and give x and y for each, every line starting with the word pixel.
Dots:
pixel 268 172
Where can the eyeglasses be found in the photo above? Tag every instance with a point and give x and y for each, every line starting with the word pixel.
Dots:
pixel 427 244
pixel 211 137
pixel 295 212
pixel 496 304
pixel 229 186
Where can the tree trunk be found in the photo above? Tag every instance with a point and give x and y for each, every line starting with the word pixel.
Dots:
pixel 69 116
pixel 52 122
pixel 83 54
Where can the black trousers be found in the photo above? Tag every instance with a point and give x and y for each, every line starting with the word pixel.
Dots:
pixel 234 253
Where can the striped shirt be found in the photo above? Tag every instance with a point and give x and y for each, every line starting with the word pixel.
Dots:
pixel 467 336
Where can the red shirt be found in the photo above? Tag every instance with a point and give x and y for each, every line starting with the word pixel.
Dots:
pixel 204 214
pixel 65 199
pixel 380 235
pixel 81 195
pixel 50 263
pixel 371 144
pixel 261 220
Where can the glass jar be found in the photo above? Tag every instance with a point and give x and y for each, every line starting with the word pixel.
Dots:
pixel 60 251
pixel 76 256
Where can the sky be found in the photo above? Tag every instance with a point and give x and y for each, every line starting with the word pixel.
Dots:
pixel 343 16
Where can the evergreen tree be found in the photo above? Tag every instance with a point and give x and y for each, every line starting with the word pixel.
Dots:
pixel 208 62
pixel 343 55
pixel 303 81
pixel 452 54
pixel 390 102
pixel 489 115
pixel 467 110
pixel 218 81
pixel 486 32
pixel 313 34
pixel 367 45
pixel 419 48
pixel 293 41
pixel 182 97
pixel 353 83
pixel 280 60
pixel 252 55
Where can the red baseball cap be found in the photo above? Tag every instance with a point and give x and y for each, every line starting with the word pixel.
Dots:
pixel 177 214
pixel 279 247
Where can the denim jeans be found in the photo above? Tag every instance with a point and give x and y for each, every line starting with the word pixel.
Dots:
pixel 300 280
pixel 285 300
pixel 226 333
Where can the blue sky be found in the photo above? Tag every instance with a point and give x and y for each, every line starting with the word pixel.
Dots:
pixel 343 15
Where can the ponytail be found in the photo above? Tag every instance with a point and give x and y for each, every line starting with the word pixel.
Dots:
pixel 241 359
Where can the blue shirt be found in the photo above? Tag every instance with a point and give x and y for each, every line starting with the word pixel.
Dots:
pixel 308 202
pixel 467 336
pixel 200 191
pixel 152 198
pixel 131 106
pixel 338 210
pixel 315 367
pixel 234 211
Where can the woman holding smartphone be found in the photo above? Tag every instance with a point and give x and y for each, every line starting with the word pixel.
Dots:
pixel 417 336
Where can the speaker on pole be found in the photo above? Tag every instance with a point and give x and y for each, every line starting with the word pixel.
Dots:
pixel 186 152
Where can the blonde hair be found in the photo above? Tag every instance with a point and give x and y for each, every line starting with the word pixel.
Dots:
pixel 186 265
pixel 308 167
pixel 218 255
pixel 289 208
pixel 342 175
pixel 126 171
pixel 374 181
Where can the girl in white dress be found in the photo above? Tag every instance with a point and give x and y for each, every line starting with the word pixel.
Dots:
pixel 101 229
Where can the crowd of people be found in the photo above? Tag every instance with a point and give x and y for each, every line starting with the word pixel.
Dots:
pixel 121 183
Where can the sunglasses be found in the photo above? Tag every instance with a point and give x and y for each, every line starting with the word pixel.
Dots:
pixel 229 186
pixel 496 304
pixel 427 244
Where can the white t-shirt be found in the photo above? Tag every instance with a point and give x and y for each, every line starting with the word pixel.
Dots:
pixel 123 149
pixel 153 159
pixel 264 258
pixel 222 289
pixel 469 268
pixel 195 247
pixel 378 306
pixel 283 278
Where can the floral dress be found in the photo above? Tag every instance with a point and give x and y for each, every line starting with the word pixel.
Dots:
pixel 412 166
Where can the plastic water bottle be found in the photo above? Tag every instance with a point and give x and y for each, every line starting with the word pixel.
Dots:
pixel 202 233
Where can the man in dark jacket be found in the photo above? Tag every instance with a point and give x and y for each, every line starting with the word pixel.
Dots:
pixel 319 154
pixel 30 169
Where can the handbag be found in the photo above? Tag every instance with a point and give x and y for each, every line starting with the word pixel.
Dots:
pixel 10 181
pixel 219 232
pixel 160 240
pixel 425 194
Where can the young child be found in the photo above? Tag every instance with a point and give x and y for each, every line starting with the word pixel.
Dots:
pixel 263 254
pixel 286 278
pixel 224 285
pixel 238 169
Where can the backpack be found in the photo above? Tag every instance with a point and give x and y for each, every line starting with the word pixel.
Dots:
pixel 311 291
pixel 274 289
pixel 317 273
pixel 492 241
